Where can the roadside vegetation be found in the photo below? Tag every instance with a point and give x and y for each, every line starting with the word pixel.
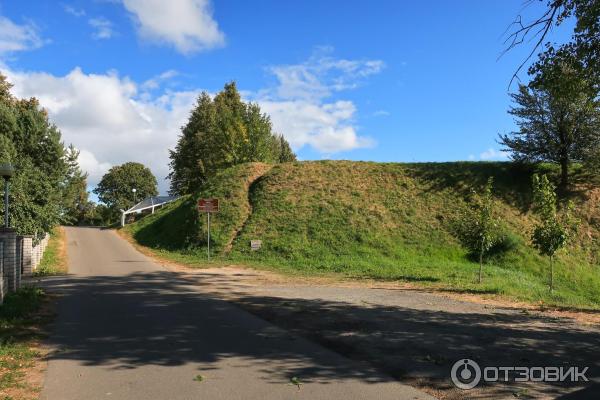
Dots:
pixel 21 317
pixel 54 260
pixel 399 221
pixel 382 221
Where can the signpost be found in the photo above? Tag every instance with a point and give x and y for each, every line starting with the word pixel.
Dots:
pixel 255 244
pixel 208 206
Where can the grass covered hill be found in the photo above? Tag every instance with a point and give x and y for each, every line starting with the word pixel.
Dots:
pixel 379 220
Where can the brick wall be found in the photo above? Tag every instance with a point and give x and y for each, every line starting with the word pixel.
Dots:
pixel 26 262
pixel 10 261
pixel 37 252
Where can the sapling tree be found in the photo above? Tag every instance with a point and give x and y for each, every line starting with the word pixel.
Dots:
pixel 551 233
pixel 478 227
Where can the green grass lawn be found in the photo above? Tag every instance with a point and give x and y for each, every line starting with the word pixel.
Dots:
pixel 54 261
pixel 20 320
pixel 383 221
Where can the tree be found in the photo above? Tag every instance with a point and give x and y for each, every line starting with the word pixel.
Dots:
pixel 286 154
pixel 551 233
pixel 478 228
pixel 558 115
pixel 115 189
pixel 585 41
pixel 220 133
pixel 75 202
pixel 33 145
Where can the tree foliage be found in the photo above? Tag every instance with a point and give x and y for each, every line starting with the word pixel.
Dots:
pixel 478 228
pixel 558 115
pixel 552 231
pixel 30 142
pixel 115 189
pixel 75 199
pixel 220 133
pixel 585 40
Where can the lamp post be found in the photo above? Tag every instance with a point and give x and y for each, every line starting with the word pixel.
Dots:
pixel 6 171
pixel 134 190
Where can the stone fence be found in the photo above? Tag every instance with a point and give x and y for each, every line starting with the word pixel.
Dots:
pixel 18 257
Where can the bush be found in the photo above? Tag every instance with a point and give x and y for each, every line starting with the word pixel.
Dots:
pixel 507 242
pixel 21 303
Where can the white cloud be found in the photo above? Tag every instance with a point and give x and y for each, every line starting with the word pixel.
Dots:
pixel 14 37
pixel 90 164
pixel 155 82
pixel 300 108
pixel 104 116
pixel 112 119
pixel 103 28
pixel 322 75
pixel 493 154
pixel 76 12
pixel 188 25
pixel 325 127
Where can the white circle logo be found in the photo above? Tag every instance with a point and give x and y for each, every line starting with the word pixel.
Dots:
pixel 465 374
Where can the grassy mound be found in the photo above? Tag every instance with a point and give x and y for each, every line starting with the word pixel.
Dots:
pixel 382 221
pixel 179 232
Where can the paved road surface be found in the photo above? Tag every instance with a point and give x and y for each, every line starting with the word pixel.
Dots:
pixel 128 329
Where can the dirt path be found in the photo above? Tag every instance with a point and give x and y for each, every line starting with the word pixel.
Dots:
pixel 414 335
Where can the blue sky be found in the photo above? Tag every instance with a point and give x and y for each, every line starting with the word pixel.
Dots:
pixel 380 80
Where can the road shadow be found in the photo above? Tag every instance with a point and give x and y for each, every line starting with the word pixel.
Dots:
pixel 158 318
pixel 419 347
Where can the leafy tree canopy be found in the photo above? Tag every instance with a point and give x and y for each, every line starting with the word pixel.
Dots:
pixel 554 229
pixel 30 142
pixel 220 133
pixel 75 198
pixel 584 44
pixel 478 227
pixel 116 186
pixel 558 115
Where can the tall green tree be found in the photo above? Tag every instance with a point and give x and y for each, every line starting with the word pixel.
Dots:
pixel 552 231
pixel 33 145
pixel 115 189
pixel 478 227
pixel 75 198
pixel 220 133
pixel 558 115
pixel 283 148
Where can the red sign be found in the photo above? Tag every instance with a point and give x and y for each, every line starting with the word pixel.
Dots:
pixel 208 205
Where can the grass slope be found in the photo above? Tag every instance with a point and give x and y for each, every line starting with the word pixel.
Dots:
pixel 378 220
pixel 20 323
pixel 54 260
pixel 178 233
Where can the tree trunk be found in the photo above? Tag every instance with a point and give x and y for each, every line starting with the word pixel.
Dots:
pixel 551 274
pixel 564 175
pixel 481 264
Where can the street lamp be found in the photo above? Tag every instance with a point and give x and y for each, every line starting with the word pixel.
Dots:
pixel 134 190
pixel 6 171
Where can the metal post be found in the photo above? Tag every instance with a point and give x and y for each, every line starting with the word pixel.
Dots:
pixel 5 202
pixel 208 251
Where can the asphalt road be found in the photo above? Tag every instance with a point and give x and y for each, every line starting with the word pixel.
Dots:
pixel 129 329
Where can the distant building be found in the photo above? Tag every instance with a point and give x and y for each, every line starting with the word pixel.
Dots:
pixel 147 206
